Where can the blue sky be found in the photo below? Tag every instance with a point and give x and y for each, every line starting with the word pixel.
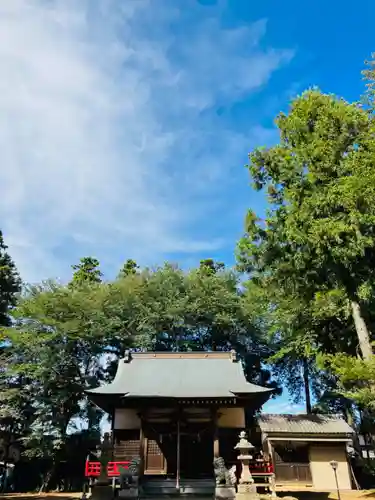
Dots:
pixel 124 126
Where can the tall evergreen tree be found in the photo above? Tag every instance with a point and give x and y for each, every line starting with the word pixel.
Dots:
pixel 318 240
pixel 10 283
pixel 369 77
pixel 87 271
pixel 11 405
pixel 130 267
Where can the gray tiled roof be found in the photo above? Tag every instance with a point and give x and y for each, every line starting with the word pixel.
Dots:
pixel 187 376
pixel 303 424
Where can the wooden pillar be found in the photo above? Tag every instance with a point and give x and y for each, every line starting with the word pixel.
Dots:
pixel 271 455
pixel 113 439
pixel 142 446
pixel 215 419
pixel 266 448
pixel 272 483
pixel 178 457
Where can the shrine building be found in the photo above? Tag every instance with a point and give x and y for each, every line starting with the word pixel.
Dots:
pixel 177 411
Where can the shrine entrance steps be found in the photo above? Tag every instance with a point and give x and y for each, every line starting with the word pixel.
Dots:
pixel 157 487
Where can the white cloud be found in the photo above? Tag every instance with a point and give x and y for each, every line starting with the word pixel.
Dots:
pixel 104 142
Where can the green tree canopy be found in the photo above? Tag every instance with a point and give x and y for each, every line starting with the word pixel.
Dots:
pixel 318 238
pixel 65 339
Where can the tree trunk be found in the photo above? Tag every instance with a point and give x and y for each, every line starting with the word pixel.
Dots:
pixel 306 383
pixel 47 479
pixel 362 331
pixel 349 416
pixel 8 440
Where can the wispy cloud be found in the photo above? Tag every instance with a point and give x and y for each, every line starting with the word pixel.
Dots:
pixel 107 141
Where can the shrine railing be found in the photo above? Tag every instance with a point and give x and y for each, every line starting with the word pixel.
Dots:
pixel 93 469
pixel 261 468
pixel 257 468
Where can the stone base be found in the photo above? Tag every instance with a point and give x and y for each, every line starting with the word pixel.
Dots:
pixel 246 488
pixel 250 495
pixel 225 493
pixel 247 491
pixel 129 493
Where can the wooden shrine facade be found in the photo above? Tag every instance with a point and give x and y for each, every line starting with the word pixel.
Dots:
pixel 177 411
pixel 178 440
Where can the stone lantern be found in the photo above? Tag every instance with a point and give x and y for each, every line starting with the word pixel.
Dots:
pixel 246 480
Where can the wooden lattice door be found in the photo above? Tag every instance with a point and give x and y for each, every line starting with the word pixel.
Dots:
pixel 126 450
pixel 155 462
pixel 126 445
pixel 292 464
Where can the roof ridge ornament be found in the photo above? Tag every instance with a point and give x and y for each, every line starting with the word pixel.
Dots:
pixel 127 356
pixel 233 356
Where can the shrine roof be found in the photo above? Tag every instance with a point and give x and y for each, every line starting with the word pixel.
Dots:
pixel 180 375
pixel 304 424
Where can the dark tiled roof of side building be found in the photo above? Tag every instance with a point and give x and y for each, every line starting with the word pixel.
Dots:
pixel 304 424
